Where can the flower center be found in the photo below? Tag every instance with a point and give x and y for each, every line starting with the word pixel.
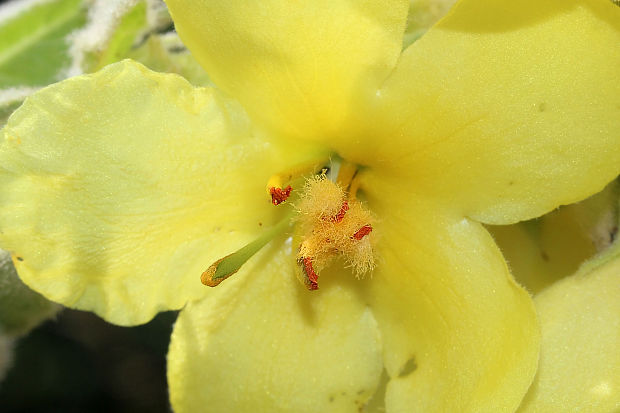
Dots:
pixel 329 222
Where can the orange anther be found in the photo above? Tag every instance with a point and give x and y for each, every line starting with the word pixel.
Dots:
pixel 313 277
pixel 279 195
pixel 362 232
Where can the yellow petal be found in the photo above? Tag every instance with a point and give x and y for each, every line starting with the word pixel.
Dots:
pixel 507 109
pixel 298 66
pixel 121 187
pixel 263 343
pixel 459 334
pixel 579 358
pixel 542 251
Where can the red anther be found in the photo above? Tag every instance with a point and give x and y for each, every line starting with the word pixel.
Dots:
pixel 362 232
pixel 279 195
pixel 313 277
pixel 343 210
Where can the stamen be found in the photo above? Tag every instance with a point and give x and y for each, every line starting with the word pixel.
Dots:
pixel 230 264
pixel 278 185
pixel 279 195
pixel 362 232
pixel 346 173
pixel 354 186
pixel 332 225
pixel 311 278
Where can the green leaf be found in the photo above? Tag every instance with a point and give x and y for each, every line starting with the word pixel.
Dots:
pixel 131 26
pixel 166 53
pixel 33 49
pixel 163 52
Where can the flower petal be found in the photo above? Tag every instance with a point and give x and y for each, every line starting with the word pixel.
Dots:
pixel 263 343
pixel 579 358
pixel 120 188
pixel 459 334
pixel 301 66
pixel 542 251
pixel 506 109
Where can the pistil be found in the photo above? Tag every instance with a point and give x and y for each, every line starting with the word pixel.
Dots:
pixel 230 264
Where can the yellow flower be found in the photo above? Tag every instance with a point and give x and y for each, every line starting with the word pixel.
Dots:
pixel 119 188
